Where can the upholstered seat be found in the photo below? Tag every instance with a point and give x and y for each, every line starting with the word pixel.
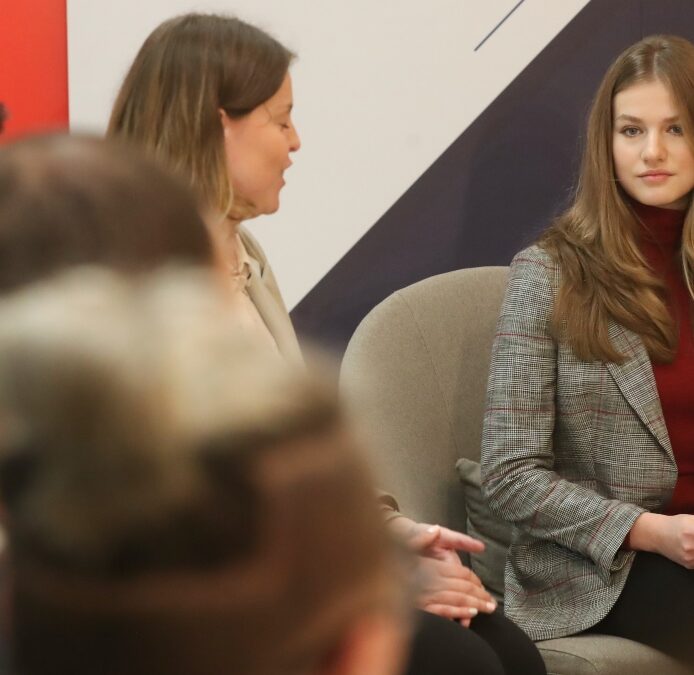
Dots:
pixel 416 373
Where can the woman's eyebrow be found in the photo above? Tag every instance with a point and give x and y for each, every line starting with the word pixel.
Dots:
pixel 631 118
pixel 287 108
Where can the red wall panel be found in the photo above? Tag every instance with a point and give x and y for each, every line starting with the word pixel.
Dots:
pixel 33 65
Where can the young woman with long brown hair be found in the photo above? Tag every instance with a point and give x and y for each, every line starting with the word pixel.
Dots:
pixel 588 444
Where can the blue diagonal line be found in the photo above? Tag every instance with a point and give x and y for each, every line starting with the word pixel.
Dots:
pixel 498 25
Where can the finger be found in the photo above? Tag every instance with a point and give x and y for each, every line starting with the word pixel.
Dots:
pixel 460 541
pixel 489 607
pixel 468 575
pixel 474 579
pixel 456 599
pixel 451 612
pixel 432 587
pixel 430 583
pixel 424 536
pixel 435 568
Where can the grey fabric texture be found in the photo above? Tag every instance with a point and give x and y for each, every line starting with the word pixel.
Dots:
pixel 605 655
pixel 415 374
pixel 483 525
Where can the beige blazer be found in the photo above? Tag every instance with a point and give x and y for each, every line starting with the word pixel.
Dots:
pixel 572 453
pixel 265 295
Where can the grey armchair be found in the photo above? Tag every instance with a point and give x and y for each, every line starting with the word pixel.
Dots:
pixel 416 373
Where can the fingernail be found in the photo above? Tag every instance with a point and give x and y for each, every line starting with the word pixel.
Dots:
pixel 473 611
pixel 491 606
pixel 432 528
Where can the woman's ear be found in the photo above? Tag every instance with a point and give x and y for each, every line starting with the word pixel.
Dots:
pixel 226 122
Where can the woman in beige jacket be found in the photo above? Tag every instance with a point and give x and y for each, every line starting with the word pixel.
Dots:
pixel 211 97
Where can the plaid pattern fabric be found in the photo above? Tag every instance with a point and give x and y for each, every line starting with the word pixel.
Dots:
pixel 572 453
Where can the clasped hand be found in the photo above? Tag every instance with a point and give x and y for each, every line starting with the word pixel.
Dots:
pixel 670 536
pixel 677 539
pixel 447 587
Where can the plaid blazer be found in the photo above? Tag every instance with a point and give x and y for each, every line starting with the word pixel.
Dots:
pixel 572 453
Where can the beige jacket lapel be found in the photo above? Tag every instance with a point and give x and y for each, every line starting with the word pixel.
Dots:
pixel 636 381
pixel 263 291
pixel 274 315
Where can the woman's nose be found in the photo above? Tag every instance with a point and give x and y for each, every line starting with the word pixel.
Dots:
pixel 294 140
pixel 654 148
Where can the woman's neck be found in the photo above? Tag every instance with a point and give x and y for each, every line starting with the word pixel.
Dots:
pixel 220 226
pixel 223 232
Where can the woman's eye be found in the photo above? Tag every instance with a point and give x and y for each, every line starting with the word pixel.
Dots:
pixel 676 129
pixel 630 132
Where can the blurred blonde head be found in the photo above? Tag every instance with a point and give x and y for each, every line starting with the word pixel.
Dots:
pixel 178 501
pixel 70 200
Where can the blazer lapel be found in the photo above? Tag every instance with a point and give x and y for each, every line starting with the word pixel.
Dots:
pixel 635 379
pixel 275 317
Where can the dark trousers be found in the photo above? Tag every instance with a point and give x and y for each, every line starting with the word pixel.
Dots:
pixel 656 607
pixel 493 645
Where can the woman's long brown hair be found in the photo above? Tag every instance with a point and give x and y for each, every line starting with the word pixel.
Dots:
pixel 595 242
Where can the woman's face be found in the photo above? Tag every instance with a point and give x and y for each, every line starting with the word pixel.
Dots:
pixel 652 157
pixel 258 146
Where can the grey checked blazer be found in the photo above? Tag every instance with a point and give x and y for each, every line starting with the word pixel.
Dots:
pixel 572 453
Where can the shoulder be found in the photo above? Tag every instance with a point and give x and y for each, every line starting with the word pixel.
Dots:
pixel 534 267
pixel 534 258
pixel 532 287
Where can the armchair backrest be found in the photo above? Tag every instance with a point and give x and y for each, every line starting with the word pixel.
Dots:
pixel 416 372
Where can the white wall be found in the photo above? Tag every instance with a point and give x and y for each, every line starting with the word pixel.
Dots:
pixel 381 88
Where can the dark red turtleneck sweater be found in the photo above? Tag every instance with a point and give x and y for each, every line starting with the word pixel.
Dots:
pixel 675 381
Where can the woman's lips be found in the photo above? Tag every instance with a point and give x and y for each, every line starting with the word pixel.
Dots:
pixel 655 178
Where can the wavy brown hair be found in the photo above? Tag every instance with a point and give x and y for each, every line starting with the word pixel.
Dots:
pixel 596 240
pixel 188 69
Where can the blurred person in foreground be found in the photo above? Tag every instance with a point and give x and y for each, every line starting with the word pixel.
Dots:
pixel 72 200
pixel 176 501
pixel 66 201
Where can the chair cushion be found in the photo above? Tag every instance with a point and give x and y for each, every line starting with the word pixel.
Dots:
pixel 481 524
pixel 605 655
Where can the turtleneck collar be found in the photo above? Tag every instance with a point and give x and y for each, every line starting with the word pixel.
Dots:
pixel 661 226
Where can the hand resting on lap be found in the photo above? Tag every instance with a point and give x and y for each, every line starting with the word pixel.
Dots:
pixel 447 587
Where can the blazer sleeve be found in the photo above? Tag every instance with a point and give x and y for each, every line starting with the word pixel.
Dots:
pixel 518 458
